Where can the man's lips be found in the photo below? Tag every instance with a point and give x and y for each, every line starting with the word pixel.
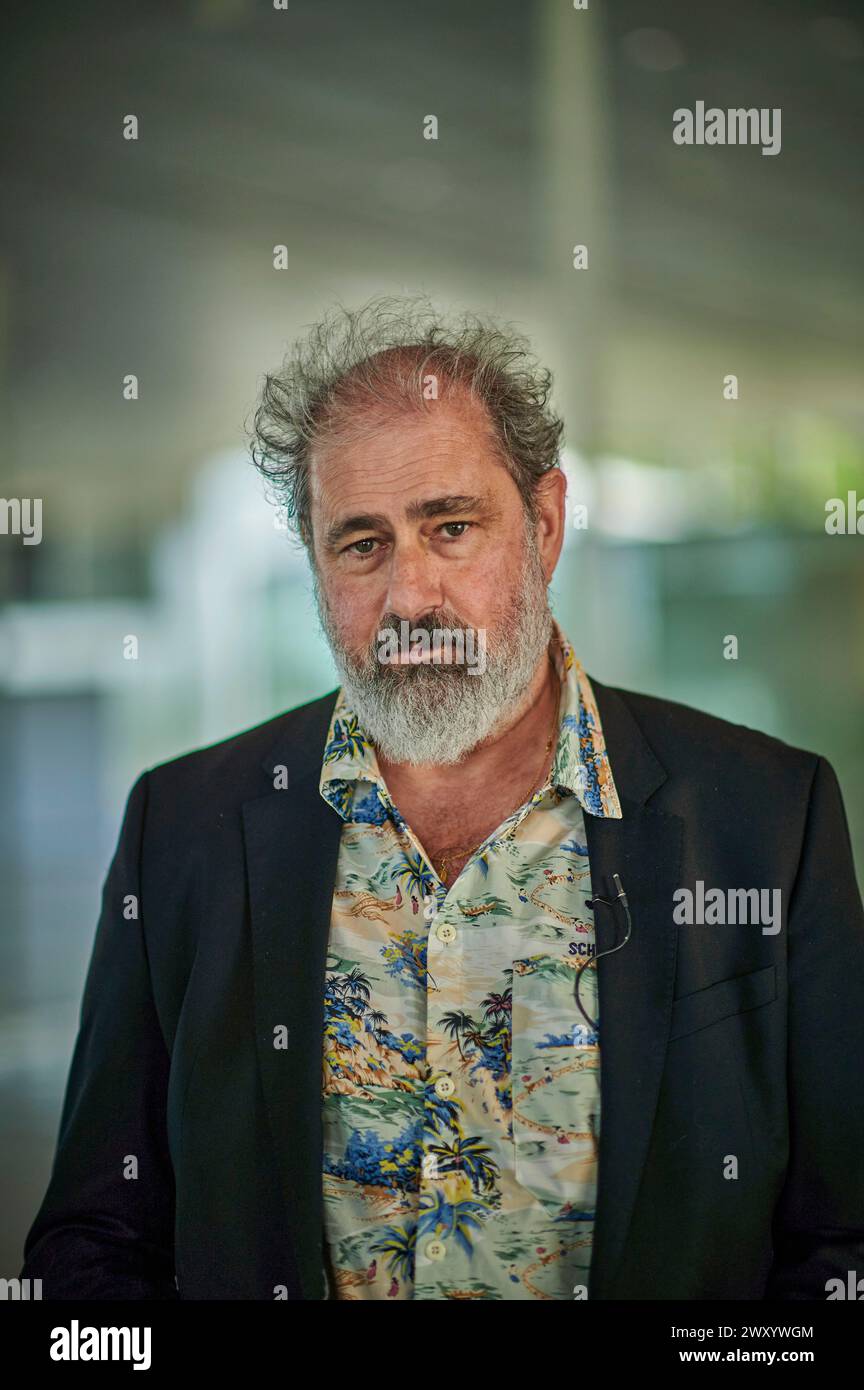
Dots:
pixel 420 657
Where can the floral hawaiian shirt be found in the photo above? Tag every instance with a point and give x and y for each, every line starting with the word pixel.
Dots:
pixel 461 1083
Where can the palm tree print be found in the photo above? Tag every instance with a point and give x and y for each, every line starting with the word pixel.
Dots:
pixel 416 874
pixel 397 1244
pixel 456 1023
pixel 459 1220
pixel 469 1156
pixel 348 740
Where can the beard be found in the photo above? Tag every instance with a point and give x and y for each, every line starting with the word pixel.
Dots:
pixel 422 713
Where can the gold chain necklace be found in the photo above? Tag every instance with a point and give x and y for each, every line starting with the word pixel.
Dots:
pixel 454 851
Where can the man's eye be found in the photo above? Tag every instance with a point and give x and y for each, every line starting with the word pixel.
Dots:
pixel 450 524
pixel 355 547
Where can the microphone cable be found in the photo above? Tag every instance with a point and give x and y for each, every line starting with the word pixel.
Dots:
pixel 621 897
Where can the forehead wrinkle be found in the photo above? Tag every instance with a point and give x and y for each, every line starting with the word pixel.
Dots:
pixel 398 439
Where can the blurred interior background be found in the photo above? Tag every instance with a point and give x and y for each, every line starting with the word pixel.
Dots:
pixel 304 127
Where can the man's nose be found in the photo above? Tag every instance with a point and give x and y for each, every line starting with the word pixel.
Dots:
pixel 413 583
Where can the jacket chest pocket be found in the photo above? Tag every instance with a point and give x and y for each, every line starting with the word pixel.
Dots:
pixel 725 998
pixel 555 1083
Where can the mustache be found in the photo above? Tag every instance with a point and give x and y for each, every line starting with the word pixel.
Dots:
pixel 440 618
pixel 393 627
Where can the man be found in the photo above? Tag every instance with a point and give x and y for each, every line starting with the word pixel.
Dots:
pixel 464 980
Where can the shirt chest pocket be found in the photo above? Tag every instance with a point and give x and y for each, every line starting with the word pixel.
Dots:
pixel 555 1083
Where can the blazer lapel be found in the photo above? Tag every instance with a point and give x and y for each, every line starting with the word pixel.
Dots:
pixel 635 984
pixel 292 845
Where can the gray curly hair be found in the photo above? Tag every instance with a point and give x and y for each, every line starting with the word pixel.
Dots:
pixel 357 365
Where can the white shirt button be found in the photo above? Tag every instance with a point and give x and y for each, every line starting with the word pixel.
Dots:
pixel 436 1250
pixel 445 932
pixel 445 1086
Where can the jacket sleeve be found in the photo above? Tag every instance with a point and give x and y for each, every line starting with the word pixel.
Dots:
pixel 105 1229
pixel 819 1221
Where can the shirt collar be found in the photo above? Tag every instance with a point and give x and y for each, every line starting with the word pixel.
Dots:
pixel 352 784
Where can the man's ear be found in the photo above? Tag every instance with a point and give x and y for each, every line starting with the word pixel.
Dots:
pixel 550 500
